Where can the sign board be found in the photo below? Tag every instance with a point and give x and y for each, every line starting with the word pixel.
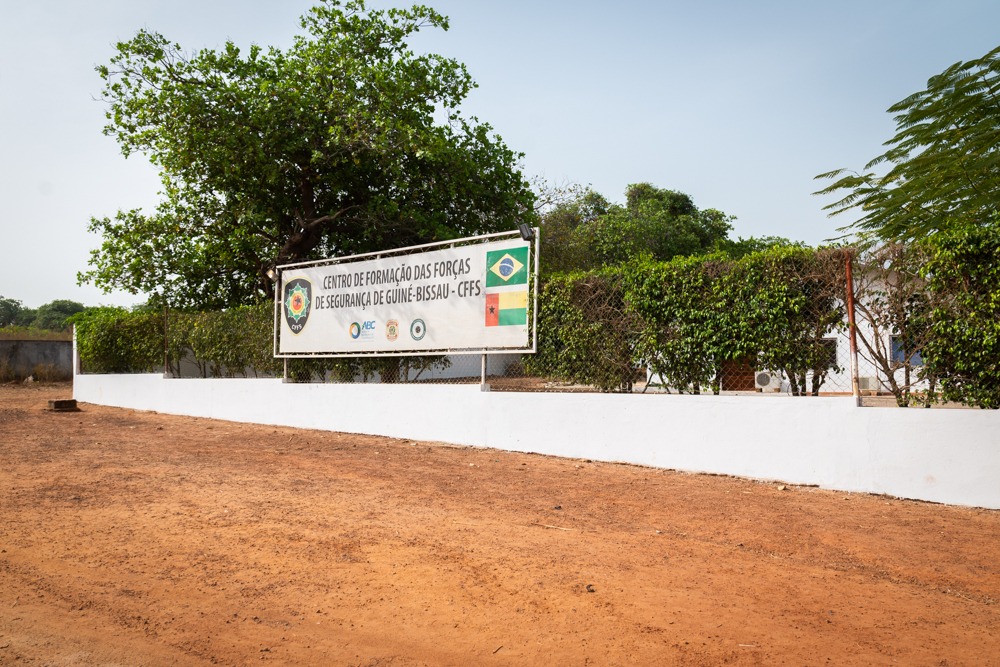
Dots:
pixel 472 295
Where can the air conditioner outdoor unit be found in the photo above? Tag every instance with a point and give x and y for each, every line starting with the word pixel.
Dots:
pixel 767 381
pixel 868 384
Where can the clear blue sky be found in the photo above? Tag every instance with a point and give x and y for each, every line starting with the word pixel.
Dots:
pixel 739 104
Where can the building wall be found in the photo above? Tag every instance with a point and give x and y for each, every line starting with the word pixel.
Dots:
pixel 948 456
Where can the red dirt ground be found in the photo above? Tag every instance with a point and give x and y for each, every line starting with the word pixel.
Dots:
pixel 133 538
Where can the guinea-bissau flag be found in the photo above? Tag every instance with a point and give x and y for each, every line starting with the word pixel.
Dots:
pixel 507 287
pixel 506 308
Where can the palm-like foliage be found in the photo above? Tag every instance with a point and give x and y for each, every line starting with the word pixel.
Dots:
pixel 941 168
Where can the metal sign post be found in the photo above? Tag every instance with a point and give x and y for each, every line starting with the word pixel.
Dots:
pixel 853 328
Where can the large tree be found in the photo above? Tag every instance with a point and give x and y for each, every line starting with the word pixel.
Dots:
pixel 941 169
pixel 655 223
pixel 10 309
pixel 53 315
pixel 346 142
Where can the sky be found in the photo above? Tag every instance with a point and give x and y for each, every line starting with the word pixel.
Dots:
pixel 738 104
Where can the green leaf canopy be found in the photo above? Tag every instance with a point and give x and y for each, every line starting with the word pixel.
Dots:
pixel 943 165
pixel 347 142
pixel 587 232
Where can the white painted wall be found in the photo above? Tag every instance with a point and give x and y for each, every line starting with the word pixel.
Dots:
pixel 948 456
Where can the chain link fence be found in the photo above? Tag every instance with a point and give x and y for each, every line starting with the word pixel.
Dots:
pixel 771 324
pixel 773 327
pixel 698 327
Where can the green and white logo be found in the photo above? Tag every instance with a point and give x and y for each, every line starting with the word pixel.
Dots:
pixel 296 301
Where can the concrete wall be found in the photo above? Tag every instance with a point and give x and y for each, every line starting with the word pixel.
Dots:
pixel 948 456
pixel 52 358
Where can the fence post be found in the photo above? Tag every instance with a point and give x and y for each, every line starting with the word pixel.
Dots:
pixel 483 385
pixel 853 329
pixel 166 342
pixel 77 365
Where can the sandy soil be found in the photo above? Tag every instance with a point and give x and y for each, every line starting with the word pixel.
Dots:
pixel 132 538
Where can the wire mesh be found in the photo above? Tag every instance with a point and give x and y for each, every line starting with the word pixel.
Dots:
pixel 894 313
pixel 777 328
pixel 592 337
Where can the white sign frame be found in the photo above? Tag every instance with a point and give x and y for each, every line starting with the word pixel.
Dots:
pixel 370 305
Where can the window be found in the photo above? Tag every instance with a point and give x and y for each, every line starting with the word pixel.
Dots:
pixel 899 353
pixel 831 351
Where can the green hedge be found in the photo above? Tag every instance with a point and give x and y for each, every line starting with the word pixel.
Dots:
pixel 116 340
pixel 586 333
pixel 963 350
pixel 237 342
pixel 684 318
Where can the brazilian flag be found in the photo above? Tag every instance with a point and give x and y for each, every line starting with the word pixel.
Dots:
pixel 507 267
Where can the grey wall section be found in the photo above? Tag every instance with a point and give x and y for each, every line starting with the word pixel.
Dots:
pixel 21 358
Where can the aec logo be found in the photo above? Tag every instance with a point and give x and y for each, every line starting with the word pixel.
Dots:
pixel 364 330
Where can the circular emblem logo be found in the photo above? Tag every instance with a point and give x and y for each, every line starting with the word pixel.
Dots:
pixel 355 330
pixel 417 329
pixel 392 330
pixel 296 302
pixel 506 267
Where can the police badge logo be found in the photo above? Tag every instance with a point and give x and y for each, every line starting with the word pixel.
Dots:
pixel 298 294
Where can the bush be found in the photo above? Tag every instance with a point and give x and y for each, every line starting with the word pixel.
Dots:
pixel 586 335
pixel 684 318
pixel 683 337
pixel 237 342
pixel 115 340
pixel 963 350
